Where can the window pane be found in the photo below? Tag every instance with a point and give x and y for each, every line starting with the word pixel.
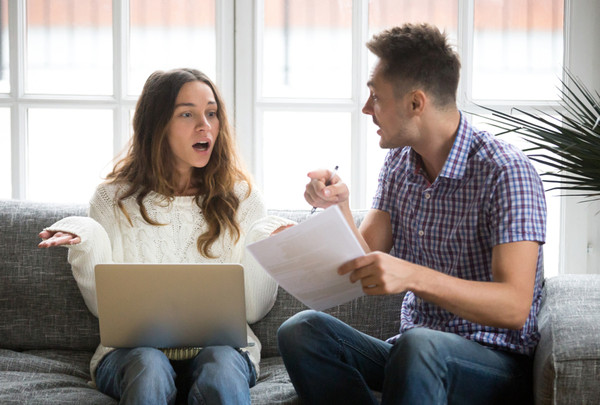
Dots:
pixel 384 14
pixel 290 152
pixel 76 145
pixel 170 34
pixel 4 70
pixel 69 47
pixel 517 49
pixel 307 48
pixel 5 154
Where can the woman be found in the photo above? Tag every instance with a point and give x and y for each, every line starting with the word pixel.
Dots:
pixel 180 195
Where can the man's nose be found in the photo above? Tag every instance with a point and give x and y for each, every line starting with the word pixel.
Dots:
pixel 368 108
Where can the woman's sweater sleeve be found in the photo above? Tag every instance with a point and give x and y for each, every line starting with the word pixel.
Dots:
pixel 260 288
pixel 94 248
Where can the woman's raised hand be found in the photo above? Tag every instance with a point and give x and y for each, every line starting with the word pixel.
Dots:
pixel 57 239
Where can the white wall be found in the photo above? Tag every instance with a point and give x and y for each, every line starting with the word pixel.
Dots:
pixel 580 238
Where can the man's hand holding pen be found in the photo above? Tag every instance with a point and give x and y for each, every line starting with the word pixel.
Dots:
pixel 325 189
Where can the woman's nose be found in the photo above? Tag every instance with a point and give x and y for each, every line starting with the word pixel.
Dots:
pixel 202 124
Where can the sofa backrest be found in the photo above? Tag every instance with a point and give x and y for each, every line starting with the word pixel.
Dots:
pixel 41 306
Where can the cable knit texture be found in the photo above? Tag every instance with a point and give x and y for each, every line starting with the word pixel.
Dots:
pixel 107 237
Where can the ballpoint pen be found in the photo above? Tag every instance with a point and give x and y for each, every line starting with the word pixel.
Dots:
pixel 328 182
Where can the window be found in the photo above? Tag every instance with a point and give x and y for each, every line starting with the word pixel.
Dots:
pixel 311 61
pixel 311 69
pixel 517 50
pixel 69 84
pixel 292 72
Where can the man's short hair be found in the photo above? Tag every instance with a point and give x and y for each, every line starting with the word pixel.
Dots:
pixel 418 56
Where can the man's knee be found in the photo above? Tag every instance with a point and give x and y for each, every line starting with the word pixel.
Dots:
pixel 294 331
pixel 421 346
pixel 421 339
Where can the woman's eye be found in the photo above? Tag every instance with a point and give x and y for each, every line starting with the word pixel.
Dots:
pixel 212 114
pixel 186 114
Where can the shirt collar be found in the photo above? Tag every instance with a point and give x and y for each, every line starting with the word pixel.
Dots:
pixel 456 163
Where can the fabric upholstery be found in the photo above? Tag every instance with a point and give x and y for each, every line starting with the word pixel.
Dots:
pixel 47 377
pixel 40 304
pixel 567 360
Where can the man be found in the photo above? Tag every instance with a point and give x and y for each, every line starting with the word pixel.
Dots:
pixel 464 215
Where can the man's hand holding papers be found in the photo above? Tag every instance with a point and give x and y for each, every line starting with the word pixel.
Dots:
pixel 304 259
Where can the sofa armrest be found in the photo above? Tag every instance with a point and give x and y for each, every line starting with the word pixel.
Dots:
pixel 567 359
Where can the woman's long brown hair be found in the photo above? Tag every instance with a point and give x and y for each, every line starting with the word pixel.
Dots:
pixel 148 165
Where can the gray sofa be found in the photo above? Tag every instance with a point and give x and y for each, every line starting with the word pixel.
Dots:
pixel 47 335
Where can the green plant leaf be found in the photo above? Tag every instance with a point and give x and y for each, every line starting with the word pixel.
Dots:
pixel 567 143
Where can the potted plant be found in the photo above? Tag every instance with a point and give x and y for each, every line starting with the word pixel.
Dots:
pixel 567 141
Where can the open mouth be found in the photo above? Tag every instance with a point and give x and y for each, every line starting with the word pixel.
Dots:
pixel 201 146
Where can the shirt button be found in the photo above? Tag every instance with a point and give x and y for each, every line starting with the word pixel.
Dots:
pixel 421 233
pixel 427 196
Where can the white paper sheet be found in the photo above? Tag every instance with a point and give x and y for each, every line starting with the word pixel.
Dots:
pixel 304 259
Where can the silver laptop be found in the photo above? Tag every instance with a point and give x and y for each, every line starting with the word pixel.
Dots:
pixel 171 305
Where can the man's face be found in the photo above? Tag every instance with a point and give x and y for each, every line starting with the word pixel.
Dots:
pixel 389 112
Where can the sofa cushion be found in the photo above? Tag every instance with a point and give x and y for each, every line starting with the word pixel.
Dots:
pixel 567 359
pixel 273 386
pixel 40 304
pixel 48 377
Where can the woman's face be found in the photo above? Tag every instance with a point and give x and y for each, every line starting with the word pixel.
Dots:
pixel 194 127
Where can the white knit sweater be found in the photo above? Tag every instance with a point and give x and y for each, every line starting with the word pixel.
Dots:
pixel 107 237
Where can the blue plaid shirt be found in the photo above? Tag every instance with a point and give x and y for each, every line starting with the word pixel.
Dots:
pixel 487 193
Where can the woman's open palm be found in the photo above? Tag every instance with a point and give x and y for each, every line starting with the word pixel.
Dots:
pixel 57 239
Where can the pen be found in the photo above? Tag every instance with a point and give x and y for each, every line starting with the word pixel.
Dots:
pixel 328 182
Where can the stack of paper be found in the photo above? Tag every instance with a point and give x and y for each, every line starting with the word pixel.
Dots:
pixel 304 259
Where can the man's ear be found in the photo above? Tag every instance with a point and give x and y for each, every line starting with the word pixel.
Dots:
pixel 418 99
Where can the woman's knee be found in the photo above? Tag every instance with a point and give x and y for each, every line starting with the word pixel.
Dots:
pixel 218 355
pixel 148 361
pixel 221 374
pixel 131 374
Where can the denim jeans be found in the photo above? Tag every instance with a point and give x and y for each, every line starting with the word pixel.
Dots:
pixel 330 362
pixel 145 376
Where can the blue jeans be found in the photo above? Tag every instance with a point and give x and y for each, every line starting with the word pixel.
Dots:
pixel 145 376
pixel 330 362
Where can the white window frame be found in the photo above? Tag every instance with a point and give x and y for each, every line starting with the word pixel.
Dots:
pixel 120 103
